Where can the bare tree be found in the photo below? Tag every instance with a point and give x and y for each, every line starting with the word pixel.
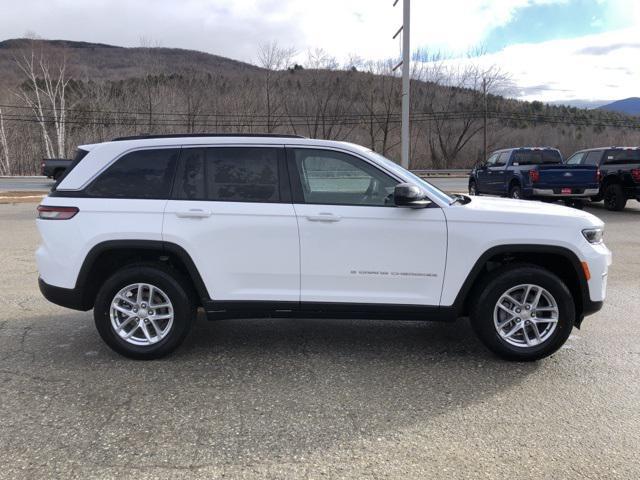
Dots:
pixel 5 166
pixel 273 58
pixel 44 91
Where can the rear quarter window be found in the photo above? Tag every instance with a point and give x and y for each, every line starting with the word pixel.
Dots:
pixel 143 174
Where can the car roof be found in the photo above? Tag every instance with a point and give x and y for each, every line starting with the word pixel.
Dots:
pixel 608 148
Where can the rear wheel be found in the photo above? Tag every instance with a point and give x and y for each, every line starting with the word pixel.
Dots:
pixel 614 198
pixel 473 188
pixel 515 191
pixel 143 311
pixel 523 313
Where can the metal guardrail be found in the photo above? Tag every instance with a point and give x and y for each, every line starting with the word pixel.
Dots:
pixel 451 172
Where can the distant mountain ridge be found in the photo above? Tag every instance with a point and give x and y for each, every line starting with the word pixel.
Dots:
pixel 628 106
pixel 110 62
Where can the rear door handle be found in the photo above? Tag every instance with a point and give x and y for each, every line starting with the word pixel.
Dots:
pixel 323 217
pixel 194 213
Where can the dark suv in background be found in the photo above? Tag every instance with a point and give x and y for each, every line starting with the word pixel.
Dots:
pixel 619 173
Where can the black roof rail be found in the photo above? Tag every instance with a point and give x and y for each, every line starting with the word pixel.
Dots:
pixel 200 135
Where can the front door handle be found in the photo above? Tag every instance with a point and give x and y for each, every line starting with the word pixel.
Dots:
pixel 323 217
pixel 194 213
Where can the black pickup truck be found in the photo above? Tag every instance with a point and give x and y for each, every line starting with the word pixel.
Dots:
pixel 619 173
pixel 54 167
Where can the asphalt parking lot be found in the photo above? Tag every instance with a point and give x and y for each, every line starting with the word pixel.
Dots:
pixel 315 398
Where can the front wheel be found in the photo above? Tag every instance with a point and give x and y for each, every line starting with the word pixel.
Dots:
pixel 473 188
pixel 523 313
pixel 143 311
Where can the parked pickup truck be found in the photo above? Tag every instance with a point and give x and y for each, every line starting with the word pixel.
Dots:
pixel 619 173
pixel 533 172
pixel 54 167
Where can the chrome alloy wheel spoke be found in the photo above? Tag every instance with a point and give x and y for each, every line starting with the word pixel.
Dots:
pixel 141 314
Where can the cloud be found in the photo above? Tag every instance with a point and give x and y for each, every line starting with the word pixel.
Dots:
pixel 605 49
pixel 574 69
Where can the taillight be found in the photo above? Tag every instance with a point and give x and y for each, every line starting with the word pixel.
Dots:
pixel 635 173
pixel 42 168
pixel 56 213
pixel 534 175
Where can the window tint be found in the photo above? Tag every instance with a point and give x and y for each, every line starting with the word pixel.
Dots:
pixel 576 159
pixel 592 158
pixel 334 178
pixel 238 174
pixel 536 157
pixel 622 157
pixel 140 174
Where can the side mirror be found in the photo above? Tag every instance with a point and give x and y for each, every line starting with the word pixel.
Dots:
pixel 409 195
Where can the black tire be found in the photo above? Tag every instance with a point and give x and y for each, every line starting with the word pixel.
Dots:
pixel 614 198
pixel 171 283
pixel 515 192
pixel 473 188
pixel 501 281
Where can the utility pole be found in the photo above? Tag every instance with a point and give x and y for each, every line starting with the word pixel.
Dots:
pixel 484 128
pixel 406 71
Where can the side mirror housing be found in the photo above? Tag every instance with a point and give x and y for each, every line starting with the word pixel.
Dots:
pixel 409 195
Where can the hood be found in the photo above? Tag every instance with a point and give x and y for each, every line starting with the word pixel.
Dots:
pixel 509 211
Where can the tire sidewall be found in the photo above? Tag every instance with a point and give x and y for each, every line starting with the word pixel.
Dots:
pixel 513 189
pixel 482 315
pixel 170 285
pixel 614 198
pixel 473 188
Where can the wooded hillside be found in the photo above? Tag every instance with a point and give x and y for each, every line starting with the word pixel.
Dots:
pixel 55 95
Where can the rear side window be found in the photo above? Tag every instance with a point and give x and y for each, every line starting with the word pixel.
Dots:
pixel 140 174
pixel 537 157
pixel 621 157
pixel 229 174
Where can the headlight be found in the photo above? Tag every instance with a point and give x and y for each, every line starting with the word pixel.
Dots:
pixel 593 235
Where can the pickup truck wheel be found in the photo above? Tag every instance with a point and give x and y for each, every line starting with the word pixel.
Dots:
pixel 473 188
pixel 523 313
pixel 515 192
pixel 143 311
pixel 614 198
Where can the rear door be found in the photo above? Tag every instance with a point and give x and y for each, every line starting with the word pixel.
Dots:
pixel 231 211
pixel 497 173
pixel 356 246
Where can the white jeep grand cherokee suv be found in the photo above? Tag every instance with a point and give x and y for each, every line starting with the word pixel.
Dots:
pixel 145 230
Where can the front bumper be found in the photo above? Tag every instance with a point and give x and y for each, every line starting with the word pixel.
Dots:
pixel 557 192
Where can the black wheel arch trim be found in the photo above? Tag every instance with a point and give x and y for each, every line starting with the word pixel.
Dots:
pixel 585 306
pixel 160 246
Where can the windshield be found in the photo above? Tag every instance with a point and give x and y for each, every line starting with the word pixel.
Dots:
pixel 432 190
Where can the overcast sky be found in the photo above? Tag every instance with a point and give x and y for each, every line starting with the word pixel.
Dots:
pixel 566 50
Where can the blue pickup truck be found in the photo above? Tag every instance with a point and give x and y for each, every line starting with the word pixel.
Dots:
pixel 534 173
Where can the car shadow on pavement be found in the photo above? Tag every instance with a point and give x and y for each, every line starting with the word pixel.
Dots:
pixel 238 389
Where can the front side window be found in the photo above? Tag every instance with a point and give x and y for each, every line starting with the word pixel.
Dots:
pixel 503 159
pixel 335 178
pixel 143 174
pixel 229 174
pixel 492 160
pixel 593 158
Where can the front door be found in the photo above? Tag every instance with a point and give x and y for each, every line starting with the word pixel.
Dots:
pixel 356 246
pixel 231 211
